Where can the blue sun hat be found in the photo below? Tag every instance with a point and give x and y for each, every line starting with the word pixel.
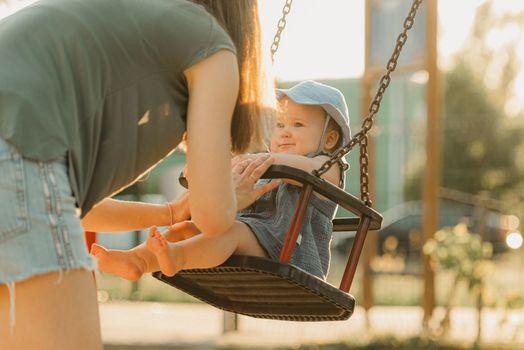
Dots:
pixel 310 92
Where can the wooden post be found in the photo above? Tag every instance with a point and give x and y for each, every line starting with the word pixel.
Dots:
pixel 370 244
pixel 432 174
pixel 482 228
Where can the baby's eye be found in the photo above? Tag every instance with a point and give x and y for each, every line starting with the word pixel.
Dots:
pixel 298 124
pixel 280 125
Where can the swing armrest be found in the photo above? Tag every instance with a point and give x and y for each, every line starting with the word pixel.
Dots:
pixel 330 191
pixel 351 224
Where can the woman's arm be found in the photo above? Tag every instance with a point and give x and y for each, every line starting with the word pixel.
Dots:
pixel 112 215
pixel 213 90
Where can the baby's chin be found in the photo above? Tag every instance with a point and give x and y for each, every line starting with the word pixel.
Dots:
pixel 286 151
pixel 278 150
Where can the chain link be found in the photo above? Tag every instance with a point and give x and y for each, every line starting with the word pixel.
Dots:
pixel 280 28
pixel 362 136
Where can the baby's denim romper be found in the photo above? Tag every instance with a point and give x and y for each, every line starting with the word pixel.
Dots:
pixel 269 219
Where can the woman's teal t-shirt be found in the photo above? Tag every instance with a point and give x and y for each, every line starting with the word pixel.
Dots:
pixel 101 82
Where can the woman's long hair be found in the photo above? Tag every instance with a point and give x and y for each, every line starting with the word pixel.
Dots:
pixel 256 103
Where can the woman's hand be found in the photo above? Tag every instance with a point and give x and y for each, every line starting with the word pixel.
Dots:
pixel 247 171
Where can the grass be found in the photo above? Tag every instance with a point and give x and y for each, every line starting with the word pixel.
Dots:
pixel 392 342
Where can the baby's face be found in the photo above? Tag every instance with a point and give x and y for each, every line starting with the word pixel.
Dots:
pixel 298 128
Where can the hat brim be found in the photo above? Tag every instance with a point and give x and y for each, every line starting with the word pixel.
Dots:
pixel 330 109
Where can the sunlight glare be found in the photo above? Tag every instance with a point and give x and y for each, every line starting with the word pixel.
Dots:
pixel 514 240
pixel 419 77
pixel 322 39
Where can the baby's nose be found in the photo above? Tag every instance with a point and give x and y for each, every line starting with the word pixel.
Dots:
pixel 286 129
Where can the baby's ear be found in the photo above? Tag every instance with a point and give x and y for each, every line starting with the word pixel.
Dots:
pixel 331 140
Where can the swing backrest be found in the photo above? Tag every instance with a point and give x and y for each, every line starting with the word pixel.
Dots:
pixel 366 218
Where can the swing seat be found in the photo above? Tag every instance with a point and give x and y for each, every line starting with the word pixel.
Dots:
pixel 264 288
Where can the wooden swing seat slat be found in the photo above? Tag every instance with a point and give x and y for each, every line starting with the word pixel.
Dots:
pixel 264 288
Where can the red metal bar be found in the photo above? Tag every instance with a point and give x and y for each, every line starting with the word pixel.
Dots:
pixel 296 224
pixel 354 256
pixel 90 239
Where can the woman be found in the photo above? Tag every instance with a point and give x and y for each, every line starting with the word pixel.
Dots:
pixel 92 95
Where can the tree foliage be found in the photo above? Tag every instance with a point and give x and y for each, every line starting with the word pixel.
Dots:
pixel 491 51
pixel 482 146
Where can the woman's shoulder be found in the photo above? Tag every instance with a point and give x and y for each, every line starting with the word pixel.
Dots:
pixel 182 30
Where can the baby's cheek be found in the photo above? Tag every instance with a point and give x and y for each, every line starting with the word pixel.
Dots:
pixel 273 147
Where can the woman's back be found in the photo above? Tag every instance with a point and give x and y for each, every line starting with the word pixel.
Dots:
pixel 94 79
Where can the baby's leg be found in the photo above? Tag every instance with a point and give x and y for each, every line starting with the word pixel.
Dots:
pixel 201 251
pixel 180 231
pixel 132 264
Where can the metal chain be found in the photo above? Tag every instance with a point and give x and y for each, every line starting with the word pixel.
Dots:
pixel 362 136
pixel 280 28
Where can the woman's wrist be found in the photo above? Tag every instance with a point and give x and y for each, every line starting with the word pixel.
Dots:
pixel 178 210
pixel 171 219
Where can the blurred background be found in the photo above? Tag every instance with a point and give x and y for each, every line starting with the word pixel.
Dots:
pixel 447 166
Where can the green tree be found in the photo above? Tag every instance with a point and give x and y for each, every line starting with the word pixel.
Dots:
pixel 491 51
pixel 482 144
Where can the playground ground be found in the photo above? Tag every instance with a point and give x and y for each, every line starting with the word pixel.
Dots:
pixel 141 325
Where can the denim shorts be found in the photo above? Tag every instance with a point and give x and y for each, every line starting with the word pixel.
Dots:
pixel 40 229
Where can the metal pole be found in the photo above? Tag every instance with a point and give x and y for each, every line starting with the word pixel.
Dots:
pixel 137 194
pixel 432 174
pixel 229 322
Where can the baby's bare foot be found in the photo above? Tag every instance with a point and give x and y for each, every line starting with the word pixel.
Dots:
pixel 159 246
pixel 122 263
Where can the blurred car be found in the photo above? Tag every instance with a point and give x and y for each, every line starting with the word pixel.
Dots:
pixel 401 231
